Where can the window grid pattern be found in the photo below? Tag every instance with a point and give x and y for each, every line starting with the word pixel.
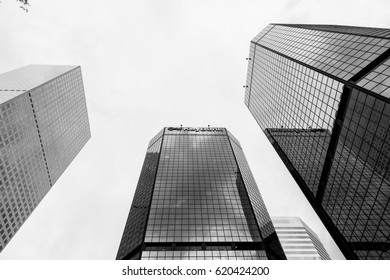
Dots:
pixel 262 217
pixel 199 203
pixel 205 255
pixel 378 80
pixel 262 33
pixel 358 190
pixel 298 102
pixel 24 162
pixel 155 138
pixel 277 84
pixel 23 175
pixel 306 149
pixel 373 254
pixel 133 234
pixel 61 112
pixel 251 56
pixel 354 30
pixel 196 197
pixel 341 55
pixel 11 85
pixel 366 131
pixel 234 139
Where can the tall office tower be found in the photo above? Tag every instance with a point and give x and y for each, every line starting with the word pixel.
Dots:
pixel 298 240
pixel 196 198
pixel 321 95
pixel 43 125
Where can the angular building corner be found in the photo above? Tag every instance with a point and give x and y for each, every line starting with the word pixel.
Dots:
pixel 196 198
pixel 43 126
pixel 321 95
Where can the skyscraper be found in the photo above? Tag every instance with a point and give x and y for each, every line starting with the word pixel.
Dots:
pixel 43 126
pixel 321 95
pixel 298 240
pixel 197 199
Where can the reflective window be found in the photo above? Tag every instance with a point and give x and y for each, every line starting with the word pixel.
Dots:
pixel 331 132
pixel 196 196
pixel 197 199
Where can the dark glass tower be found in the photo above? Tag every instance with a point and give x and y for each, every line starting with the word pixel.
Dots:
pixel 197 199
pixel 321 95
pixel 43 126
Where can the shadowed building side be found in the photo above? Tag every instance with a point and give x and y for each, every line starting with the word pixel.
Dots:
pixel 321 95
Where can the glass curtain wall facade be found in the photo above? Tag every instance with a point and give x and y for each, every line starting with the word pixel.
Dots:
pixel 321 95
pixel 298 240
pixel 43 126
pixel 197 199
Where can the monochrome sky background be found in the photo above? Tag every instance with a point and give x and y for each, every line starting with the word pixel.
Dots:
pixel 147 65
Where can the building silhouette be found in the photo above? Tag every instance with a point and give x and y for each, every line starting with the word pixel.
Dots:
pixel 298 240
pixel 197 199
pixel 43 126
pixel 321 95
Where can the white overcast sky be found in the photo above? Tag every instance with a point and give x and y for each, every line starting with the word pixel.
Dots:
pixel 146 65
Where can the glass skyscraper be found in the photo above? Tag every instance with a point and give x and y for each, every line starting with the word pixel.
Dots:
pixel 321 95
pixel 196 198
pixel 298 240
pixel 43 126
